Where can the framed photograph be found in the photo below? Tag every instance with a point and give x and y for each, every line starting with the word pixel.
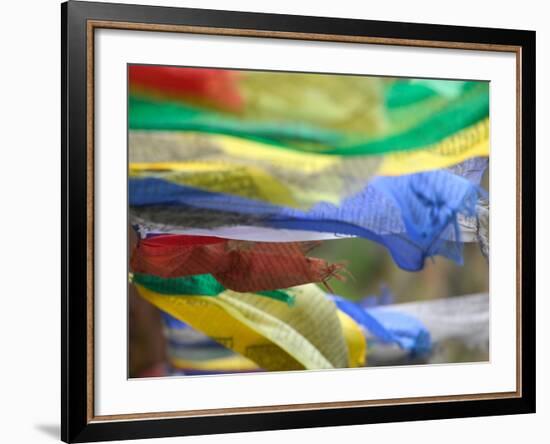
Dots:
pixel 275 221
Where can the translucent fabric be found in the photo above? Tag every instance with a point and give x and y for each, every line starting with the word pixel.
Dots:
pixel 311 334
pixel 285 177
pixel 237 265
pixel 414 216
pixel 344 115
pixel 389 327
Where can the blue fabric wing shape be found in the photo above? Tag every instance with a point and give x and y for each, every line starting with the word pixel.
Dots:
pixel 389 327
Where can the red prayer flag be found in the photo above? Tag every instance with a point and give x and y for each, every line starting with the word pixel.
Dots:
pixel 216 87
pixel 238 265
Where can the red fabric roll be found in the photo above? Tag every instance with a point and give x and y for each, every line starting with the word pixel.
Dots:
pixel 238 265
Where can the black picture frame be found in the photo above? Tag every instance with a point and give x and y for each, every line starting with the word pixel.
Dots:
pixel 77 424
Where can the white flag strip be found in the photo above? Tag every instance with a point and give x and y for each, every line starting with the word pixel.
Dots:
pixel 262 234
pixel 242 232
pixel 464 319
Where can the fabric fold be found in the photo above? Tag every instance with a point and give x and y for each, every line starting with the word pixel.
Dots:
pixel 237 265
pixel 414 216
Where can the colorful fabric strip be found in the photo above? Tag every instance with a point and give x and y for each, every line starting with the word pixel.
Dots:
pixel 469 108
pixel 236 232
pixel 247 168
pixel 283 177
pixel 201 284
pixel 145 114
pixel 389 326
pixel 346 103
pixel 414 216
pixel 237 265
pixel 216 87
pixel 230 364
pixel 215 358
pixel 309 335
pixel 465 144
